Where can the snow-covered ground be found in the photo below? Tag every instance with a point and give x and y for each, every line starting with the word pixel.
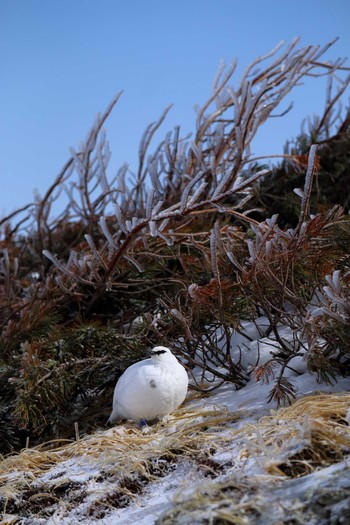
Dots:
pixel 229 444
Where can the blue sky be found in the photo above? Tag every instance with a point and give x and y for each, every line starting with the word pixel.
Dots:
pixel 63 60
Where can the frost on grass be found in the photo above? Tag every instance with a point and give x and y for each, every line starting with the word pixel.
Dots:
pixel 207 462
pixel 320 498
pixel 109 469
pixel 292 467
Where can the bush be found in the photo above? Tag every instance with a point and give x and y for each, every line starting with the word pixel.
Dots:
pixel 175 254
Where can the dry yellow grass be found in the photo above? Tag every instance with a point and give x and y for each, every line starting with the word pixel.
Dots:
pixel 121 453
pixel 296 440
pixel 291 442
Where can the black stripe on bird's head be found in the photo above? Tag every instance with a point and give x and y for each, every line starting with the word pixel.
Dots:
pixel 160 350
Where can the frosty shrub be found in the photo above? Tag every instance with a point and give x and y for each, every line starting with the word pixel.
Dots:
pixel 179 252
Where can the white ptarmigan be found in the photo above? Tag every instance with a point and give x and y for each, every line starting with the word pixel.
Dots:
pixel 150 389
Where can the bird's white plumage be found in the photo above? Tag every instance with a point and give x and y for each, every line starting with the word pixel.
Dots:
pixel 151 388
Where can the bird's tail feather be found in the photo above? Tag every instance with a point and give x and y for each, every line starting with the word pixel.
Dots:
pixel 113 418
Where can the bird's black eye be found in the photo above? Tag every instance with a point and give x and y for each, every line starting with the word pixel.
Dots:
pixel 159 352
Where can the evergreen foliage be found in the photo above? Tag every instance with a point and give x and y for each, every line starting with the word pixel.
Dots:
pixel 274 193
